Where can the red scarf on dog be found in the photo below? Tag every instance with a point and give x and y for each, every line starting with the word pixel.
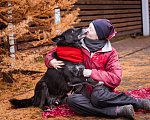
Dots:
pixel 69 53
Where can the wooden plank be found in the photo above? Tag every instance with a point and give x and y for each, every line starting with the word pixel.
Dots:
pixel 27 45
pixel 81 24
pixel 84 18
pixel 128 28
pixel 96 12
pixel 108 7
pixel 107 2
pixel 126 19
pixel 25 38
pixel 36 28
pixel 1 73
pixel 118 25
pixel 128 24
pixel 38 49
pixel 0 41
pixel 128 32
pixel 28 37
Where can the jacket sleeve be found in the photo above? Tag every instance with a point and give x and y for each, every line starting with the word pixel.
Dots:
pixel 49 57
pixel 112 74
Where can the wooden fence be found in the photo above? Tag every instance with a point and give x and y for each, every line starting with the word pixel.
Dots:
pixel 126 16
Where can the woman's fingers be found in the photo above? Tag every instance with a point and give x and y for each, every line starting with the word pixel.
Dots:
pixel 56 64
pixel 59 64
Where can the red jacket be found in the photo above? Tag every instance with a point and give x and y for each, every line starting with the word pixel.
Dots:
pixel 104 64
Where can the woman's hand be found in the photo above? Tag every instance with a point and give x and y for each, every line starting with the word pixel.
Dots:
pixel 87 72
pixel 56 63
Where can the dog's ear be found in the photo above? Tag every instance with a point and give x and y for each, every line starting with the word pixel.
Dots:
pixel 58 38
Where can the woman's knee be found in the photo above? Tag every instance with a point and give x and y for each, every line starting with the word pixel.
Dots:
pixel 97 96
pixel 70 99
pixel 73 99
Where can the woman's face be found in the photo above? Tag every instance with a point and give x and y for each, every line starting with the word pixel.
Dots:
pixel 91 33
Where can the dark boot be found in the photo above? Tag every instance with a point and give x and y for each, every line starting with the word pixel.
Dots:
pixel 125 111
pixel 143 104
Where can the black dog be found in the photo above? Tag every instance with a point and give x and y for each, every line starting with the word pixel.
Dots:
pixel 53 87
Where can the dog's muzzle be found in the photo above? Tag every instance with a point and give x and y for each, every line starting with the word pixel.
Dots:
pixel 83 34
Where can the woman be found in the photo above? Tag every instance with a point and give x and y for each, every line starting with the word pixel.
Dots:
pixel 102 64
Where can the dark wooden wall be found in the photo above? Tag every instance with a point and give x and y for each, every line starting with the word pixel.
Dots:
pixel 126 15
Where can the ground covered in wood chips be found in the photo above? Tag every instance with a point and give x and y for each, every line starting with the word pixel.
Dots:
pixel 134 56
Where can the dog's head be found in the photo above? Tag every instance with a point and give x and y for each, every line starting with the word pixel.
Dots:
pixel 70 37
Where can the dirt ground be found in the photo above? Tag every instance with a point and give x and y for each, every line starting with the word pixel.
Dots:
pixel 136 75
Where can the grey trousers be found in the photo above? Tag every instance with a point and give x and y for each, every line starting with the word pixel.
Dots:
pixel 102 102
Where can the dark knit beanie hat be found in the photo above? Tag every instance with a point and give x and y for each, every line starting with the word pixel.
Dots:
pixel 104 29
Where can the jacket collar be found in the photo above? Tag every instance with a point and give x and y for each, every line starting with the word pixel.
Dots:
pixel 106 48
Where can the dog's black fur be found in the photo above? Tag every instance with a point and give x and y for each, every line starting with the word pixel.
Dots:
pixel 53 87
